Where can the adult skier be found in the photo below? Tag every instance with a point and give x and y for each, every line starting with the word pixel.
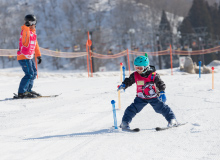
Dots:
pixel 28 48
pixel 150 89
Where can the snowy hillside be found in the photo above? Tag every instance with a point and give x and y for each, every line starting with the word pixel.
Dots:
pixel 62 25
pixel 78 124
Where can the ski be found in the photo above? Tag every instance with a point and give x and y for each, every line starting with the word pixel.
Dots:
pixel 165 128
pixel 131 130
pixel 16 97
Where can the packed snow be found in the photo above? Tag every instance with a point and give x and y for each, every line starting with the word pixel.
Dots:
pixel 78 123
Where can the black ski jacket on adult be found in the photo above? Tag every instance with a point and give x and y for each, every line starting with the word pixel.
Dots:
pixel 159 83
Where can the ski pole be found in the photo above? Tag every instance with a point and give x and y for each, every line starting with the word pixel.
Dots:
pixel 213 77
pixel 36 65
pixel 123 74
pixel 200 69
pixel 121 71
pixel 114 114
pixel 119 98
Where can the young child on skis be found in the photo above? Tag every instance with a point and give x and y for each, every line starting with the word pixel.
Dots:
pixel 150 89
pixel 28 48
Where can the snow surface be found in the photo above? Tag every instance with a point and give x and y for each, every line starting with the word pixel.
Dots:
pixel 78 124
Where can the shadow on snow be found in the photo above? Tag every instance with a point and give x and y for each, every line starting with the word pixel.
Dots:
pixel 102 131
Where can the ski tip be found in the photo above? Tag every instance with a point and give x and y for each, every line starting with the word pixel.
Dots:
pixel 165 128
pixel 136 129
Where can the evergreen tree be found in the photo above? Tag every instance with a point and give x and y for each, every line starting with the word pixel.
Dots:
pixel 165 33
pixel 215 16
pixel 164 23
pixel 200 21
pixel 214 32
pixel 199 15
pixel 186 27
pixel 186 32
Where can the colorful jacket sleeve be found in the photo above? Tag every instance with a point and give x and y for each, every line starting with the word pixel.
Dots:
pixel 37 50
pixel 25 35
pixel 159 83
pixel 129 81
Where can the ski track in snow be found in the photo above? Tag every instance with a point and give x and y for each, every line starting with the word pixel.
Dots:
pixel 78 123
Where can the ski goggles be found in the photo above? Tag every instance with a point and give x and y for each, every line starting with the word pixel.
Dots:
pixel 32 23
pixel 140 68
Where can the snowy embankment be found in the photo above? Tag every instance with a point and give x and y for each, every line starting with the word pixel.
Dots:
pixel 78 123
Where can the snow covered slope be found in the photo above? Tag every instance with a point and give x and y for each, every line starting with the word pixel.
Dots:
pixel 78 124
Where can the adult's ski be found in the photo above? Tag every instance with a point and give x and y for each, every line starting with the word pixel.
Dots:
pixel 16 97
pixel 165 128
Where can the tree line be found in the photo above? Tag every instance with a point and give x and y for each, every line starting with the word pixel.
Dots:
pixel 200 29
pixel 114 27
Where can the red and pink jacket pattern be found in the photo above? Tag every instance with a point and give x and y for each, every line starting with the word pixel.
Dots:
pixel 146 88
pixel 28 51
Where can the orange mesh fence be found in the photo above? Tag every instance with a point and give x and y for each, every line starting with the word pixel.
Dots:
pixel 205 51
pixel 165 52
pixel 13 52
pixel 62 54
pixel 177 52
pixel 101 56
pixel 8 52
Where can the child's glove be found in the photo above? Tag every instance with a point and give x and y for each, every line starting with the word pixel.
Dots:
pixel 162 96
pixel 122 86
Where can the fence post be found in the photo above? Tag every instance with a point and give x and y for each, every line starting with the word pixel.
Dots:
pixel 87 59
pixel 90 61
pixel 89 43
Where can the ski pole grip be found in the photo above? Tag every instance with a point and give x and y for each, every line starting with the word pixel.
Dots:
pixel 112 102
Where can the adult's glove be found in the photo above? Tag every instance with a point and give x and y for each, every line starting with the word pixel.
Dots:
pixel 162 96
pixel 122 86
pixel 39 60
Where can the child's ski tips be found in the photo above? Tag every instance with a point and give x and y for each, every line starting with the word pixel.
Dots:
pixel 165 128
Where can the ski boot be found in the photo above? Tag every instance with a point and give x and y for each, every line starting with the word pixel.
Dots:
pixel 26 95
pixel 124 125
pixel 35 93
pixel 172 123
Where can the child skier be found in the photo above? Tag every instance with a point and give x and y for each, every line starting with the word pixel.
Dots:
pixel 150 89
pixel 28 46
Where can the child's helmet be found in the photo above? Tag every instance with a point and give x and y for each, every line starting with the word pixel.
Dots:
pixel 142 61
pixel 30 19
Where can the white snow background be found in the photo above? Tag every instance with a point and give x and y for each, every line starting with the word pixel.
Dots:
pixel 77 125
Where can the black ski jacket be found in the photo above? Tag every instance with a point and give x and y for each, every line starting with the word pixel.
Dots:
pixel 159 83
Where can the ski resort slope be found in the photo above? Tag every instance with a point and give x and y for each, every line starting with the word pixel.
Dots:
pixel 77 125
